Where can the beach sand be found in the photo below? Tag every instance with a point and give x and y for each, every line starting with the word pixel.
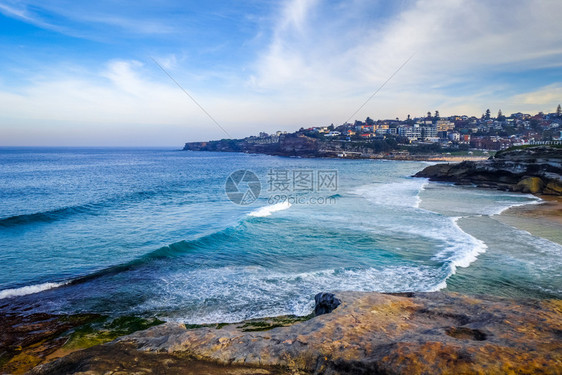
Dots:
pixel 457 159
pixel 543 219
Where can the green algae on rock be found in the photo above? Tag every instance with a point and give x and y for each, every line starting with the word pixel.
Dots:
pixel 369 333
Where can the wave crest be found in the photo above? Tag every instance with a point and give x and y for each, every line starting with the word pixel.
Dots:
pixel 30 289
pixel 268 210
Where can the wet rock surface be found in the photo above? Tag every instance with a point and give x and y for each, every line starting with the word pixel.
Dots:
pixel 29 340
pixel 536 170
pixel 325 303
pixel 369 333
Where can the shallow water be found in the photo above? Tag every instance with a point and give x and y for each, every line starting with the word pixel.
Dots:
pixel 152 232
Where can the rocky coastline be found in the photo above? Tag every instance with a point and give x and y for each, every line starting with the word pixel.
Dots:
pixel 292 145
pixel 366 333
pixel 347 333
pixel 535 170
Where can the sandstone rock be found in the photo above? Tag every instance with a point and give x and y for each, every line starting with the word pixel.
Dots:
pixel 536 170
pixel 554 187
pixel 531 185
pixel 369 333
pixel 325 303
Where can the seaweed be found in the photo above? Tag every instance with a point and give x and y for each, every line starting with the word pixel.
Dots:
pixel 105 330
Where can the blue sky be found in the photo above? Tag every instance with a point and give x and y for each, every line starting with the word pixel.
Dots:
pixel 81 73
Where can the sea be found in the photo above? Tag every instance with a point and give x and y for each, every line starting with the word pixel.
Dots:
pixel 204 237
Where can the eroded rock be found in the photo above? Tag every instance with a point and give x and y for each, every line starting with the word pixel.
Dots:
pixel 536 170
pixel 372 333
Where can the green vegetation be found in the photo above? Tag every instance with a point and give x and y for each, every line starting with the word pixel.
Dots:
pixel 524 147
pixel 255 325
pixel 270 323
pixel 103 330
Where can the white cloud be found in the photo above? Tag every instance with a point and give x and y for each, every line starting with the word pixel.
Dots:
pixel 19 11
pixel 547 97
pixel 322 61
pixel 457 42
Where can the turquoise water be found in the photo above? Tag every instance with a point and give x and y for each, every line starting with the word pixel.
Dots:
pixel 152 232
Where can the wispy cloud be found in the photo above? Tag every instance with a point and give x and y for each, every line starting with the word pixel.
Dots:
pixel 458 42
pixel 267 65
pixel 546 97
pixel 19 11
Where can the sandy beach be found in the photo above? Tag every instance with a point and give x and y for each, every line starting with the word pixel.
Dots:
pixel 543 219
pixel 456 159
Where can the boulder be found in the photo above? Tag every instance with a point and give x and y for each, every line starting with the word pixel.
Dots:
pixel 325 303
pixel 531 185
pixel 553 188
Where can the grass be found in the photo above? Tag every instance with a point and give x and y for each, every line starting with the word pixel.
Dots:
pixel 524 147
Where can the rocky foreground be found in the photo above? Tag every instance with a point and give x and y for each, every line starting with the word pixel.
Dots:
pixel 368 333
pixel 536 170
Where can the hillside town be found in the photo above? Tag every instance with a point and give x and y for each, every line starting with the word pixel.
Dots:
pixel 430 134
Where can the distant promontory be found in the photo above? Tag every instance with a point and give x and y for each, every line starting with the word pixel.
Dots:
pixel 428 137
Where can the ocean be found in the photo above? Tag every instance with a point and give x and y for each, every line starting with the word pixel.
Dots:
pixel 202 237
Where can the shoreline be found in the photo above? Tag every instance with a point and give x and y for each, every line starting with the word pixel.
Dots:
pixel 542 219
pixel 397 157
pixel 367 332
pixel 382 332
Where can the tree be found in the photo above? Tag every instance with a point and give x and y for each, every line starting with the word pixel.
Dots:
pixel 437 115
pixel 501 117
pixel 488 114
pixel 559 111
pixel 429 115
pixel 535 125
pixel 369 121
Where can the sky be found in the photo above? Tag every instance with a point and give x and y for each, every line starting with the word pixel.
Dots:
pixel 77 73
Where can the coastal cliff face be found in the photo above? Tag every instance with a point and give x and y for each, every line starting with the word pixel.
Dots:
pixel 288 145
pixel 368 333
pixel 536 170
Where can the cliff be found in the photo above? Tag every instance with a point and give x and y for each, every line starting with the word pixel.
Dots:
pixel 536 170
pixel 288 145
pixel 296 145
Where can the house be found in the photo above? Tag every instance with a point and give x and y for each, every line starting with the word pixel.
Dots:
pixel 445 125
pixel 333 133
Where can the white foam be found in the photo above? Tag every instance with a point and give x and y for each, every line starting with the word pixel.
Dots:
pixel 536 200
pixel 459 249
pixel 418 198
pixel 438 287
pixel 233 294
pixel 268 210
pixel 31 289
pixel 462 253
pixel 395 194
